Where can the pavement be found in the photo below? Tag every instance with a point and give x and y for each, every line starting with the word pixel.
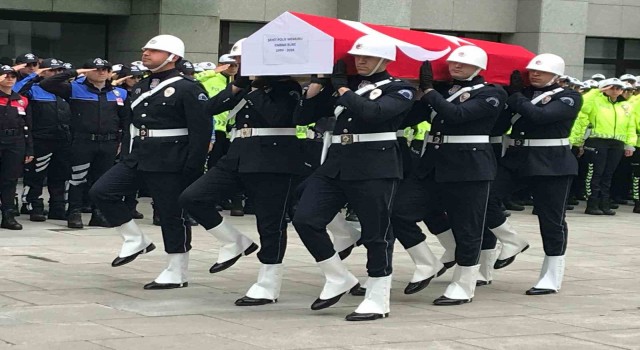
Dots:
pixel 58 291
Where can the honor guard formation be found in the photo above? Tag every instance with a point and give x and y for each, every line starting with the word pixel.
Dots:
pixel 305 155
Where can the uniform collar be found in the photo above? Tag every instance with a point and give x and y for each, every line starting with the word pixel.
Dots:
pixel 165 74
pixel 12 96
pixel 475 81
pixel 374 78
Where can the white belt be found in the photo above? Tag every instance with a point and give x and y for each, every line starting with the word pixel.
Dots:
pixel 539 142
pixel 347 139
pixel 400 133
pixel 254 132
pixel 495 139
pixel 458 139
pixel 158 132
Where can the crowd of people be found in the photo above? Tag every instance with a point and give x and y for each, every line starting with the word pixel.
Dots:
pixel 202 138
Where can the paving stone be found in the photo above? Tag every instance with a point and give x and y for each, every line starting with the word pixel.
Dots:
pixel 549 341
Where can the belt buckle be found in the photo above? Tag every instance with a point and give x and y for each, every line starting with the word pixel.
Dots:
pixel 246 132
pixel 346 139
pixel 438 140
pixel 143 132
pixel 518 142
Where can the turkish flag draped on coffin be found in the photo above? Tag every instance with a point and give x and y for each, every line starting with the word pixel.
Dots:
pixel 300 44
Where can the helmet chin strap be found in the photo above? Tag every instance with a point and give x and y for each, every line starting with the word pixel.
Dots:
pixel 375 69
pixel 475 74
pixel 552 81
pixel 171 56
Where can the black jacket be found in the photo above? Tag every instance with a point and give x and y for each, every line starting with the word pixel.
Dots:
pixel 178 105
pixel 472 113
pixel 269 106
pixel 15 122
pixel 51 114
pixel 93 112
pixel 549 119
pixel 364 114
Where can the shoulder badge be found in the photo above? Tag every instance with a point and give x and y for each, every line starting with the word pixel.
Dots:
pixel 169 91
pixel 493 101
pixel 408 94
pixel 568 100
pixel 137 92
pixel 546 100
pixel 454 89
pixel 363 84
pixel 464 97
pixel 116 92
pixel 375 94
pixel 21 102
pixel 203 97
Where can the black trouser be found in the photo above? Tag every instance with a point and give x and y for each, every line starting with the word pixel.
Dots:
pixel 220 148
pixel 501 189
pixel 621 181
pixel 550 194
pixel 91 159
pixel 12 153
pixel 108 191
pixel 635 169
pixel 602 163
pixel 270 193
pixel 465 205
pixel 52 161
pixel 372 201
pixel 577 186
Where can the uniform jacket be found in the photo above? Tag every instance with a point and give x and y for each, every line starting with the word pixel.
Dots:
pixel 363 115
pixel 178 105
pixel 269 106
pixel 549 119
pixel 472 113
pixel 608 120
pixel 15 121
pixel 214 83
pixel 51 114
pixel 93 112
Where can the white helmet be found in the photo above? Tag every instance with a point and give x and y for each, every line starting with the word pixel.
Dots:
pixel 547 62
pixel 197 68
pixel 207 65
pixel 469 54
pixel 612 82
pixel 226 58
pixel 236 50
pixel 139 65
pixel 592 83
pixel 598 77
pixel 168 43
pixel 374 46
pixel 574 81
pixel 116 68
pixel 628 77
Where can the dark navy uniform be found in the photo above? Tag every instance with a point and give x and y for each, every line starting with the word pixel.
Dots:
pixel 168 138
pixel 97 119
pixel 548 170
pixel 16 142
pixel 365 174
pixel 52 148
pixel 454 175
pixel 259 161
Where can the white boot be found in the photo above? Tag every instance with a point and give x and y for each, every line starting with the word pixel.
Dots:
pixel 135 243
pixel 427 264
pixel 267 289
pixel 487 259
pixel 512 244
pixel 234 245
pixel 448 242
pixel 551 276
pixel 344 234
pixel 376 300
pixel 462 287
pixel 338 281
pixel 175 275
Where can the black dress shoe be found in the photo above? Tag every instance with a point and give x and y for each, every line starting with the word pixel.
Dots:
pixel 449 264
pixel 217 267
pixel 540 291
pixel 444 301
pixel 249 301
pixel 320 304
pixel 345 253
pixel 358 292
pixel 127 259
pixel 415 287
pixel 158 286
pixel 481 283
pixel 499 264
pixel 137 215
pixel 354 316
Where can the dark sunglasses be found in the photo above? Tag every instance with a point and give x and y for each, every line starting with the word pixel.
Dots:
pixel 33 64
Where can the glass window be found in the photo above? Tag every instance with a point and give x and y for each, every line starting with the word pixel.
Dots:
pixel 632 49
pixel 601 48
pixel 69 42
pixel 609 70
pixel 230 32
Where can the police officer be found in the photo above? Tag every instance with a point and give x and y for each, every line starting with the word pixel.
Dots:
pixel 98 117
pixel 26 64
pixel 363 167
pixel 264 160
pixel 539 155
pixel 16 143
pixel 52 145
pixel 455 171
pixel 166 149
pixel 186 68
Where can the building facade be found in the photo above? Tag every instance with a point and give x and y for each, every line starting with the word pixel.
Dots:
pixel 592 35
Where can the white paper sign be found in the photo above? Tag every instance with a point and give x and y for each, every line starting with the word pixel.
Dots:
pixel 285 48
